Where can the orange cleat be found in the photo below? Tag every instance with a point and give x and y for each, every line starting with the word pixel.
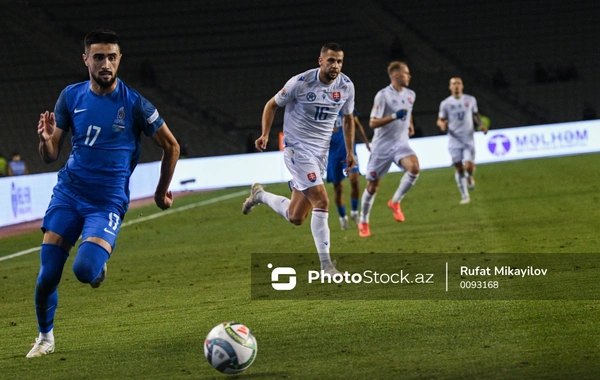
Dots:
pixel 364 230
pixel 398 215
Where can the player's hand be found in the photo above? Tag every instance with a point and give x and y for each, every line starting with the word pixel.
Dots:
pixel 164 201
pixel 368 146
pixel 411 130
pixel 443 124
pixel 483 129
pixel 46 126
pixel 400 114
pixel 261 143
pixel 350 162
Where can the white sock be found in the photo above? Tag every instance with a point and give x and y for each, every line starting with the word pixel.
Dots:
pixel 320 230
pixel 407 181
pixel 461 182
pixel 277 202
pixel 365 204
pixel 48 337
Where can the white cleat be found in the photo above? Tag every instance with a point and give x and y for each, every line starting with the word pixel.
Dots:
pixel 40 348
pixel 354 216
pixel 252 200
pixel 330 270
pixel 344 223
pixel 98 281
pixel 465 201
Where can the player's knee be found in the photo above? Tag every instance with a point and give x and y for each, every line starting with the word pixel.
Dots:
pixel 89 261
pixel 296 219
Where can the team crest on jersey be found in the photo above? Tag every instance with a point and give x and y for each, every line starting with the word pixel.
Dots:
pixel 337 96
pixel 312 177
pixel 410 100
pixel 311 96
pixel 119 122
pixel 467 104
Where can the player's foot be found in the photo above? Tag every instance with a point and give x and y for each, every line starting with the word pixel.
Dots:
pixel 40 348
pixel 344 223
pixel 331 270
pixel 471 183
pixel 398 215
pixel 252 200
pixel 98 281
pixel 354 217
pixel 364 230
pixel 464 201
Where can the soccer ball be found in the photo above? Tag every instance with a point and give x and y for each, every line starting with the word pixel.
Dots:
pixel 230 347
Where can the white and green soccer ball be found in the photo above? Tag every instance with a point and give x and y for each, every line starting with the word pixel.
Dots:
pixel 230 347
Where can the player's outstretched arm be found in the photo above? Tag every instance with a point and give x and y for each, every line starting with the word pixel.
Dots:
pixel 442 124
pixel 361 132
pixel 267 121
pixel 51 137
pixel 479 123
pixel 165 139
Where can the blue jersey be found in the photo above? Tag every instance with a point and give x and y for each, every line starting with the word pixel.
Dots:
pixel 106 140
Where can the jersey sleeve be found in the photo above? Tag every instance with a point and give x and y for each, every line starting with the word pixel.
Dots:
pixel 146 116
pixel 61 112
pixel 287 93
pixel 378 105
pixel 475 109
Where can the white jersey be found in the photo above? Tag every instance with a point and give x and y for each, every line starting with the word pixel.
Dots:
pixel 394 134
pixel 311 108
pixel 459 113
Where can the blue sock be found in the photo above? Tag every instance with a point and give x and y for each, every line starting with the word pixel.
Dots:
pixel 89 261
pixel 342 211
pixel 52 258
pixel 354 204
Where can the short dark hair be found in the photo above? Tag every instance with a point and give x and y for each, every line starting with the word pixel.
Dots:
pixel 101 36
pixel 331 46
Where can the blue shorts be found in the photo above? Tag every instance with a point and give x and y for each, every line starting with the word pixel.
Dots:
pixel 336 166
pixel 71 216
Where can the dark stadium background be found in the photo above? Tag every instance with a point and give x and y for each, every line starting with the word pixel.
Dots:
pixel 216 63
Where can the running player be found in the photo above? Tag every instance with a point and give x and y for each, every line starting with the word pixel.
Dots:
pixel 391 118
pixel 312 102
pixel 106 118
pixel 459 116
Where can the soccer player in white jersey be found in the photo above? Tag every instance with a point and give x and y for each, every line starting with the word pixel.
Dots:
pixel 458 115
pixel 312 102
pixel 391 118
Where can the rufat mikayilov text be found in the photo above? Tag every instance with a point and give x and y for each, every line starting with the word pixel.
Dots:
pixel 370 277
pixel 505 270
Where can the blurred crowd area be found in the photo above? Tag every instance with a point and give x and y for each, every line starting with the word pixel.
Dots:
pixel 211 66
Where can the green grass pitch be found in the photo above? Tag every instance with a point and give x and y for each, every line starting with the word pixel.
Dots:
pixel 172 278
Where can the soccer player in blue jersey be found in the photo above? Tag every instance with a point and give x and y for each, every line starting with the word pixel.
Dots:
pixel 106 119
pixel 337 171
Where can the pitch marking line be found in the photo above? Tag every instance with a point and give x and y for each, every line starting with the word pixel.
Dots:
pixel 149 217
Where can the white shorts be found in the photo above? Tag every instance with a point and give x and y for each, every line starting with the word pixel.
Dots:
pixel 379 164
pixel 307 169
pixel 463 154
